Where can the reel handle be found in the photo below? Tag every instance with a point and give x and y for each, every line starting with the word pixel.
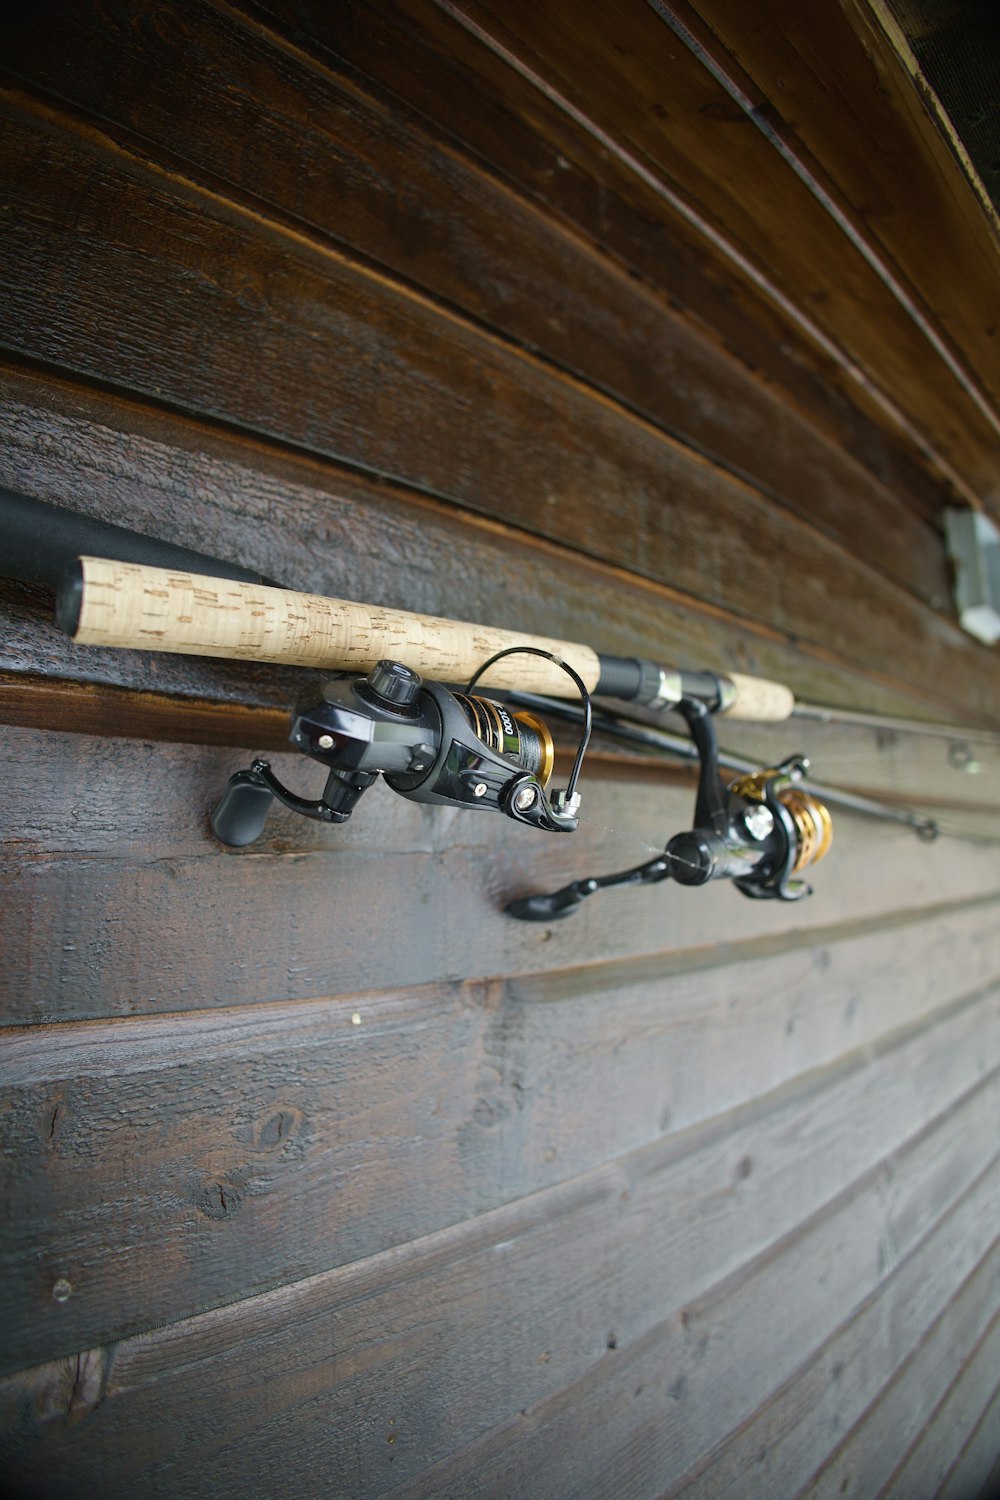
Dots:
pixel 239 818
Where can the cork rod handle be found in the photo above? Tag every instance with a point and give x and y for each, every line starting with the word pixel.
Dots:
pixel 158 609
pixel 759 699
pixel 125 604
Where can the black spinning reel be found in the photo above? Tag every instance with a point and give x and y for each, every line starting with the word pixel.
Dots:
pixel 459 750
pixel 431 745
pixel 758 832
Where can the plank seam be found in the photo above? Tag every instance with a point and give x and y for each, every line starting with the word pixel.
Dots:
pixel 600 972
pixel 808 173
pixel 788 1385
pixel 97 140
pixel 466 157
pixel 564 1197
pixel 665 594
pixel 501 1437
pixel 749 269
pixel 939 1407
pixel 594 978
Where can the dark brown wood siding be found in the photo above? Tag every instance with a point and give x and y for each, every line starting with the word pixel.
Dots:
pixel 648 328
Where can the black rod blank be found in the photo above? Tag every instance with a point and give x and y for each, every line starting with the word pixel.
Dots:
pixel 39 543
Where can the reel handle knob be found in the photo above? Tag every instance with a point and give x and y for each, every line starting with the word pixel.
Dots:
pixel 239 817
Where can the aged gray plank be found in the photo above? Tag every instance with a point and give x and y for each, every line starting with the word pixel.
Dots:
pixel 877 1378
pixel 958 1446
pixel 371 1372
pixel 132 1113
pixel 637 1425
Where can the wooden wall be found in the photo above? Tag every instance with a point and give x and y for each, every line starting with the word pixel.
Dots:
pixel 322 1177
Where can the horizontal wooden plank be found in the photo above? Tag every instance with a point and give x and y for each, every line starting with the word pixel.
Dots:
pixel 541 451
pixel 654 99
pixel 460 90
pixel 960 776
pixel 326 531
pixel 116 889
pixel 483 1101
pixel 887 156
pixel 930 1428
pixel 328 156
pixel 878 1378
pixel 958 1446
pixel 139 788
pixel 641 1326
pixel 633 1425
pixel 91 709
pixel 975 1466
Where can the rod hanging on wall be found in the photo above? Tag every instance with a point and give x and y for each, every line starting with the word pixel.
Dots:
pixel 107 603
pixel 42 543
pixel 379 716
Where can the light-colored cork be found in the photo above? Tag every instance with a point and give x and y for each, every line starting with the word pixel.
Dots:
pixel 757 698
pixel 158 609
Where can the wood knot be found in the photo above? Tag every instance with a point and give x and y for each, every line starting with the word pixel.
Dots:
pixel 60 1394
pixel 220 1199
pixel 277 1128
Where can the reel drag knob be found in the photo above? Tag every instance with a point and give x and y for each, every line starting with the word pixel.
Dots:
pixel 396 685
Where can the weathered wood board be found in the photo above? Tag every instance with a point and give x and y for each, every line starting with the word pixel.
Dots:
pixel 322 1176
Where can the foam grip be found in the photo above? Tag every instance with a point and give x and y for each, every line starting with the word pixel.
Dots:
pixel 757 698
pixel 165 609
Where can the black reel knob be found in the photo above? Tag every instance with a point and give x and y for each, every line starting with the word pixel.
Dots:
pixel 396 685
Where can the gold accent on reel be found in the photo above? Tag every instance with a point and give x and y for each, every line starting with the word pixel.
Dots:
pixel 520 737
pixel 813 824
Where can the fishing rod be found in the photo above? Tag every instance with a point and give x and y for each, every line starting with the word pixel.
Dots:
pixel 388 711
pixel 380 717
pixel 648 737
pixel 43 543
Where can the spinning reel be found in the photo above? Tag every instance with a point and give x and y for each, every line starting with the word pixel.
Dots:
pixel 455 749
pixel 431 745
pixel 758 832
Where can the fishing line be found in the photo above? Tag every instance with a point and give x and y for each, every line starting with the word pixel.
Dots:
pixel 663 743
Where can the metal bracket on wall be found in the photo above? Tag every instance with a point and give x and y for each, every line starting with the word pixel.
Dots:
pixel 974 548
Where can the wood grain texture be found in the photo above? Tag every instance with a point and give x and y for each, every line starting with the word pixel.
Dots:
pixel 87 708
pixel 639 1423
pixel 954 1350
pixel 480 1112
pixel 455 86
pixel 613 68
pixel 888 162
pixel 119 885
pixel 323 1176
pixel 397 399
pixel 326 157
pixel 957 1448
pixel 406 1364
pixel 961 770
pixel 327 531
pixel 921 1326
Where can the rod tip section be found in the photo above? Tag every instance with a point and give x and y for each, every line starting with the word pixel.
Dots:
pixel 757 698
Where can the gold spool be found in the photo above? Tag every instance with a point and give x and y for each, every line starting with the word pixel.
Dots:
pixel 548 749
pixel 813 824
pixel 502 730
